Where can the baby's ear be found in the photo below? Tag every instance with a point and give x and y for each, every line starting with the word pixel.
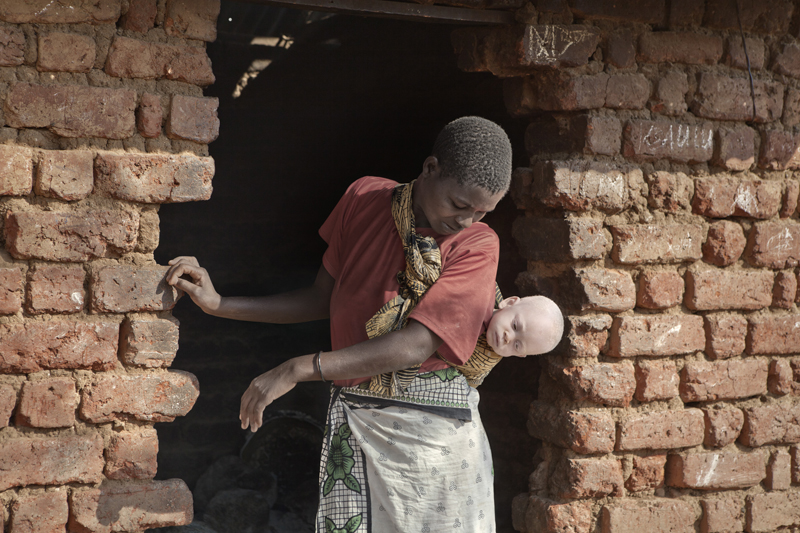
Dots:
pixel 511 300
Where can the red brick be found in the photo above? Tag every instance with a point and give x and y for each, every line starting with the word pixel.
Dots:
pixel 771 424
pixel 735 56
pixel 192 19
pixel 779 471
pixel 132 455
pixel 661 139
pixel 65 52
pixel 581 432
pixel 725 196
pixel 791 193
pixel 193 119
pixel 51 461
pixel 659 289
pixel 72 110
pixel 154 178
pixel 140 17
pixel 12 46
pixel 716 471
pixel 635 244
pixel 779 150
pixel 703 381
pixel 154 397
pixel 725 335
pixel 48 12
pixel 774 245
pixel 8 400
pixel 555 91
pixel 627 91
pixel 621 49
pixel 661 515
pixel 131 58
pixel 55 289
pixel 574 133
pixel 10 291
pixel 149 342
pixel 753 15
pixel 791 108
pixel 781 378
pixel 723 426
pixel 149 116
pixel 647 473
pixel 647 12
pixel 670 95
pixel 610 384
pixel 735 148
pixel 130 507
pixel 656 380
pixel 603 289
pixel 668 191
pixel 16 170
pixel 772 511
pixel 603 135
pixel 725 243
pixel 788 61
pixel 657 335
pixel 660 430
pixel 70 236
pixel 121 289
pixel 722 515
pixel 35 346
pixel 49 403
pixel 587 335
pixel 66 175
pixel 778 335
pixel 559 239
pixel 580 185
pixel 587 478
pixel 724 98
pixel 717 289
pixel 532 513
pixel 690 48
pixel 785 290
pixel 40 512
pixel 520 190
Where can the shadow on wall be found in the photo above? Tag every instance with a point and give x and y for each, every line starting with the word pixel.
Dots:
pixel 349 97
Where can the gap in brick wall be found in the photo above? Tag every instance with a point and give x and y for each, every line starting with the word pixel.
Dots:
pixel 350 97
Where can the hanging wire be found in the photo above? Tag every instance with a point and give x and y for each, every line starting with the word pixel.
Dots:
pixel 747 58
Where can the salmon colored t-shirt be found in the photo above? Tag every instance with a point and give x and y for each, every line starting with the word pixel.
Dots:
pixel 365 254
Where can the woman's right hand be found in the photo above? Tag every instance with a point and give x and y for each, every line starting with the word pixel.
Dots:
pixel 199 288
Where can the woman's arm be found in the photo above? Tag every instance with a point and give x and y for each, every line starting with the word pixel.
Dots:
pixel 395 351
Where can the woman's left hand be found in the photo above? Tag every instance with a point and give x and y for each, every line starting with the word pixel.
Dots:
pixel 262 391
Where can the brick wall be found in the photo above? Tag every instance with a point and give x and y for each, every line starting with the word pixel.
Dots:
pixel 660 209
pixel 103 118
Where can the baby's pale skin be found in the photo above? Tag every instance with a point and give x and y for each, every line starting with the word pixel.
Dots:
pixel 525 326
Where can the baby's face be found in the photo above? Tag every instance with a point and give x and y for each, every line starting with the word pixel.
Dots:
pixel 515 330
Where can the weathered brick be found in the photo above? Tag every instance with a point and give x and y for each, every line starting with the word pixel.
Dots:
pixel 130 507
pixel 659 289
pixel 735 56
pixel 35 346
pixel 66 175
pixel 725 243
pixel 555 91
pixel 719 289
pixel 635 244
pixel 192 19
pixel 154 178
pixel 791 193
pixel 121 289
pixel 771 424
pixel 51 461
pixel 723 426
pixel 716 470
pixel 794 451
pixel 781 378
pixel 148 342
pixel 149 116
pixel 587 335
pixel 725 98
pixel 684 13
pixel 661 139
pixel 725 335
pixel 580 185
pixel 65 52
pixel 724 196
pixel 520 190
pixel 772 511
pixel 40 512
pixel 788 61
pixel 49 403
pixel 735 148
pixel 656 335
pixel 654 516
pixel 132 58
pixel 774 245
pixel 656 380
pixel 773 335
pixel 722 515
pixel 72 110
pixel 670 94
pixel 690 48
pixel 603 289
pixel 647 473
pixel 154 397
pixel 12 46
pixel 627 91
pixel 574 133
pixel 785 290
pixel 647 12
pixel 8 400
pixel 587 478
pixel 532 513
pixel 55 289
pixel 193 119
pixel 132 455
pixel 581 432
pixel 752 15
pixel 140 17
pixel 779 150
pixel 558 239
pixel 791 108
pixel 70 236
pixel 779 471
pixel 48 12
pixel 703 381
pixel 16 170
pixel 10 291
pixel 661 430
pixel 610 384
pixel 603 135
pixel 668 191
pixel 621 49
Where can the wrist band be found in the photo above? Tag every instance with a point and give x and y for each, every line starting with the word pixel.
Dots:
pixel 318 359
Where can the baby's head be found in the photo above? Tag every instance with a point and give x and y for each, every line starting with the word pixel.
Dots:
pixel 525 326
